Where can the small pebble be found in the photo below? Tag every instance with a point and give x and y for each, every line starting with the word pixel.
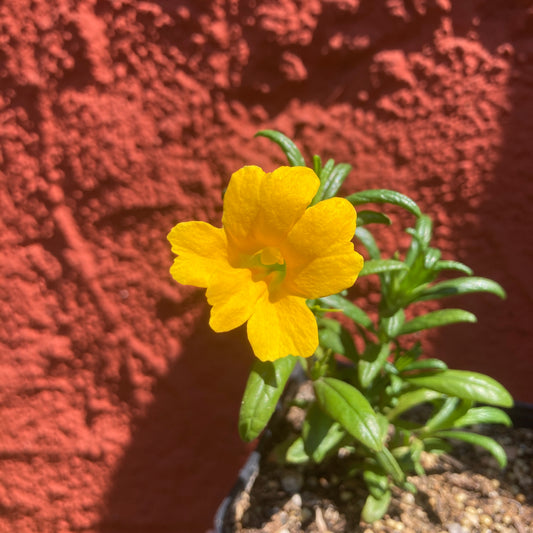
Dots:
pixel 296 500
pixel 292 481
pixel 520 497
pixel 454 527
pixel 485 520
pixel 408 498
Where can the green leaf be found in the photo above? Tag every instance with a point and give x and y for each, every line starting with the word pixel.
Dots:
pixel 478 440
pixel 368 242
pixel 326 171
pixel 335 179
pixel 351 409
pixel 317 165
pixel 321 434
pixel 376 482
pixel 410 399
pixel 374 359
pixel 453 265
pixel 378 266
pixel 458 286
pixel 422 231
pixel 384 196
pixel 263 390
pixel 291 151
pixel 465 385
pixel 391 325
pixel 483 415
pixel 388 462
pixel 296 453
pixel 436 319
pixel 444 416
pixel 348 308
pixel 375 508
pixel 372 217
pixel 425 364
pixel 332 335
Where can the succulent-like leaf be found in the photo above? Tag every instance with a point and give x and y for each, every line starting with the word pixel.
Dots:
pixel 385 196
pixel 375 508
pixel 348 308
pixel 458 286
pixel 379 266
pixel 264 387
pixel 465 385
pixel 479 440
pixel 351 409
pixel 321 434
pixel 290 150
pixel 483 415
pixel 372 217
pixel 442 317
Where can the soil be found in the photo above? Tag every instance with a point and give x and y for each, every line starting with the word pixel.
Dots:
pixel 463 493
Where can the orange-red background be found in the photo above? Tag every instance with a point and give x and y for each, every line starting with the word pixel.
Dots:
pixel 119 118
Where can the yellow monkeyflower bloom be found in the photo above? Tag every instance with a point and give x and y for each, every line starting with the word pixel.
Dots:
pixel 272 253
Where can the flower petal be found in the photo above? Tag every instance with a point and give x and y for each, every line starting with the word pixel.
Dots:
pixel 260 209
pixel 319 253
pixel 283 327
pixel 202 249
pixel 233 295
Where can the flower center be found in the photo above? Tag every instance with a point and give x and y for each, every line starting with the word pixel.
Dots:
pixel 269 266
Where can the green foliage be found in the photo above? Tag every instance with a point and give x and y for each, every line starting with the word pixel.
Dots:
pixel 365 406
pixel 263 391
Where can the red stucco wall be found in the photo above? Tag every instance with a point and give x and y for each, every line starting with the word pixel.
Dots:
pixel 119 118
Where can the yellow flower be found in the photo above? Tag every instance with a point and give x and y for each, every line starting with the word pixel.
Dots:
pixel 272 253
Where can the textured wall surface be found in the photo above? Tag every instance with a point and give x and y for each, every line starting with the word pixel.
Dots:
pixel 119 118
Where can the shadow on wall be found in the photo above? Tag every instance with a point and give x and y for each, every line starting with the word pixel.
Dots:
pixel 190 427
pixel 499 245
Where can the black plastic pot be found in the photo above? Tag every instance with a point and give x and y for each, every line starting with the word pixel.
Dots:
pixel 521 415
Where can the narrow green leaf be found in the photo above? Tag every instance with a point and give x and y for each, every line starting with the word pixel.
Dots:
pixel 348 308
pixel 291 151
pixel 425 364
pixel 436 445
pixel 431 258
pixel 436 319
pixel 376 482
pixel 392 325
pixel 458 286
pixel 374 359
pixel 372 217
pixel 483 415
pixel 375 508
pixel 410 399
pixel 385 196
pixel 388 462
pixel 378 266
pixel 351 409
pixel 442 419
pixel 321 434
pixel 332 335
pixel 422 231
pixel 335 180
pixel 317 165
pixel 263 390
pixel 478 440
pixel 368 242
pixel 326 171
pixel 296 453
pixel 453 265
pixel 466 385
